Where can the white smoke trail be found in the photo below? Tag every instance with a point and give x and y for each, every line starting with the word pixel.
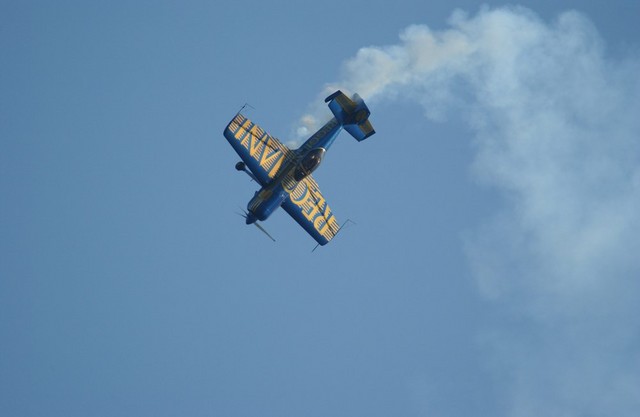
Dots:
pixel 558 132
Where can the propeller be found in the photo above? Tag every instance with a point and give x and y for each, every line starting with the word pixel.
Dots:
pixel 245 214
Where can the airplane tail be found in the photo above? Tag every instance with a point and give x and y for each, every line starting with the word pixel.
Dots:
pixel 352 114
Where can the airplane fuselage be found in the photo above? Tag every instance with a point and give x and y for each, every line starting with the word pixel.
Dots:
pixel 305 159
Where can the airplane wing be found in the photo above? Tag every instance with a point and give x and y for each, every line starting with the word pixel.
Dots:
pixel 309 208
pixel 263 153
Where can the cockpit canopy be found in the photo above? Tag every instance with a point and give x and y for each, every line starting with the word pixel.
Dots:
pixel 309 163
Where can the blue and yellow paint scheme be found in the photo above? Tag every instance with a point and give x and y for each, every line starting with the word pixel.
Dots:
pixel 285 174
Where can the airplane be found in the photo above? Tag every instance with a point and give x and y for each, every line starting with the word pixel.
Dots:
pixel 284 174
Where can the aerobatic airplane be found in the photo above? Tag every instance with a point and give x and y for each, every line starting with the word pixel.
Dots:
pixel 285 174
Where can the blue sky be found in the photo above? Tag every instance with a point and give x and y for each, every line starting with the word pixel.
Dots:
pixel 492 270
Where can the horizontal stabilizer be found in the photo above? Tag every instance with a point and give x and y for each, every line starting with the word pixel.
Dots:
pixel 361 131
pixel 352 114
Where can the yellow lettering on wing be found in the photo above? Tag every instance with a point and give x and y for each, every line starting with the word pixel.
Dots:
pixel 333 228
pixel 310 210
pixel 313 206
pixel 242 133
pixel 269 155
pixel 276 166
pixel 326 225
pixel 324 221
pixel 256 145
pixel 299 193
pixel 257 130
